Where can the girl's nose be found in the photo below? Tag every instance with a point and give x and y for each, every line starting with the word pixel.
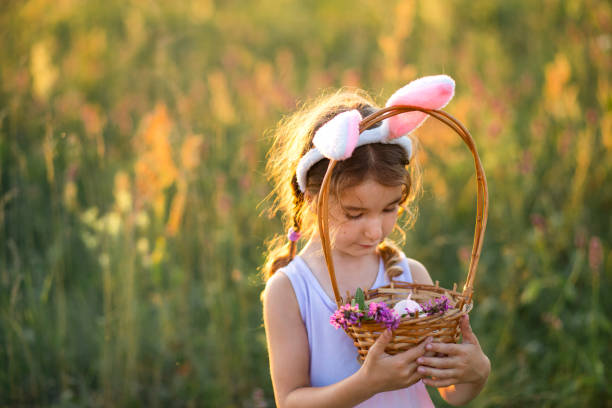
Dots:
pixel 374 229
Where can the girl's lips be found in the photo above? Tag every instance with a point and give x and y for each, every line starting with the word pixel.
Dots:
pixel 367 245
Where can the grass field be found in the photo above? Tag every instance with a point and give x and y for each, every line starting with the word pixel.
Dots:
pixel 133 138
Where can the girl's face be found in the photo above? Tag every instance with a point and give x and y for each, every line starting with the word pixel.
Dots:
pixel 365 215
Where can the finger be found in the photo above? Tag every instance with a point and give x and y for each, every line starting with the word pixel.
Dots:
pixel 466 331
pixel 378 347
pixel 409 370
pixel 415 378
pixel 437 362
pixel 437 372
pixel 431 382
pixel 417 351
pixel 444 348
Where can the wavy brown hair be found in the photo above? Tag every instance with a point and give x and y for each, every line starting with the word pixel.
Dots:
pixel 387 164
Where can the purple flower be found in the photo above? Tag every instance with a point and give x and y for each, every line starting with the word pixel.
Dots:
pixel 438 305
pixel 381 313
pixel 346 316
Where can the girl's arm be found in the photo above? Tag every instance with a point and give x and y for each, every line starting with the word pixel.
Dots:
pixel 289 358
pixel 463 369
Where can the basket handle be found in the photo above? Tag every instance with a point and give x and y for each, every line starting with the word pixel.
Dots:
pixel 482 205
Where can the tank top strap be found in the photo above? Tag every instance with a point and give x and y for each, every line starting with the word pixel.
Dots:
pixel 306 285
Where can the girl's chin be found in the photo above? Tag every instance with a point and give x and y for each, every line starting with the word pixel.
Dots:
pixel 358 250
pixel 364 250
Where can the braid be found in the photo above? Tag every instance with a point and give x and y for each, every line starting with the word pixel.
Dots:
pixel 391 257
pixel 298 201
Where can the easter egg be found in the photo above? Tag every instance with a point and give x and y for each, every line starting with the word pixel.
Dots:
pixel 407 306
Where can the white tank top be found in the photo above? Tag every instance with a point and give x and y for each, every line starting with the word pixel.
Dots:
pixel 333 357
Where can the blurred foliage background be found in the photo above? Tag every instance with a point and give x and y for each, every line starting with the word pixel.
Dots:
pixel 132 144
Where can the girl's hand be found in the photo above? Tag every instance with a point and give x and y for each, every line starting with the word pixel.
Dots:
pixel 460 363
pixel 385 372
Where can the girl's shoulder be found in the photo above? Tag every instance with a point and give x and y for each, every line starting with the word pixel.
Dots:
pixel 278 294
pixel 281 283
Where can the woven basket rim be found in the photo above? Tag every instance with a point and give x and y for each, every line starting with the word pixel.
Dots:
pixel 401 288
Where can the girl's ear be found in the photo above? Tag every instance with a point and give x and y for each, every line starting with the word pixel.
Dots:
pixel 430 92
pixel 309 209
pixel 308 197
pixel 310 201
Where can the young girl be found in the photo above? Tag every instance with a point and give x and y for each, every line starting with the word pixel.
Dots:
pixel 312 364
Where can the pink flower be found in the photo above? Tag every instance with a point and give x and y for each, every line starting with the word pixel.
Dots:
pixel 346 316
pixel 381 313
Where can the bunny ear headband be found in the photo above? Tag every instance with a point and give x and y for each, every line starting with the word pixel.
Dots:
pixel 338 138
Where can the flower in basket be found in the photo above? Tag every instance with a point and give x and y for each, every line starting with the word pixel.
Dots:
pixel 381 313
pixel 352 314
pixel 347 315
pixel 438 305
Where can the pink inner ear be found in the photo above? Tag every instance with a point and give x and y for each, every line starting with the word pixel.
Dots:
pixel 431 92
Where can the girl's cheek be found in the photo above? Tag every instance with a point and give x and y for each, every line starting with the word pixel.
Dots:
pixel 390 221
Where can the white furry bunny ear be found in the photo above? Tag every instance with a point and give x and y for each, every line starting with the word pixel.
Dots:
pixel 337 138
pixel 430 92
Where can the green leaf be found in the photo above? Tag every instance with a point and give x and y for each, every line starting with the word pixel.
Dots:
pixel 360 299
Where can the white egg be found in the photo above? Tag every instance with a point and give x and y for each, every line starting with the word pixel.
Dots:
pixel 407 306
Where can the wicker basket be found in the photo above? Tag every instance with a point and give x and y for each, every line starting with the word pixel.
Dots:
pixel 411 331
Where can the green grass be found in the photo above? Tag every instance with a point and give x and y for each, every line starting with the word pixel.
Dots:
pixel 132 147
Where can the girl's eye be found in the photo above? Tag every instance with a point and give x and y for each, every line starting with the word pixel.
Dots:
pixel 359 215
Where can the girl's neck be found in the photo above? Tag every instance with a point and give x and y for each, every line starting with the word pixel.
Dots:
pixel 351 272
